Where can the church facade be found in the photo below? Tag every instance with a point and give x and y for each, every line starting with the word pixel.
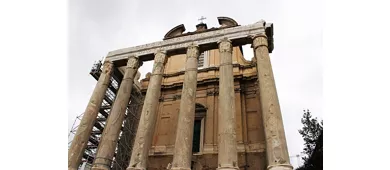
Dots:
pixel 249 124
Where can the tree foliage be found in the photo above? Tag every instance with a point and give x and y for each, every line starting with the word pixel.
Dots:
pixel 312 133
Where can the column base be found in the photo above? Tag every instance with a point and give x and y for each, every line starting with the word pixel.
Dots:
pixel 135 168
pixel 280 167
pixel 228 168
pixel 180 168
pixel 100 168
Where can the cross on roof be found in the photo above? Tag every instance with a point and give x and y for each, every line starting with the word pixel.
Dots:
pixel 201 19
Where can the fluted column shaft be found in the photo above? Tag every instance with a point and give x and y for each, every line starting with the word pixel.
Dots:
pixel 184 133
pixel 277 153
pixel 227 144
pixel 144 137
pixel 80 140
pixel 114 122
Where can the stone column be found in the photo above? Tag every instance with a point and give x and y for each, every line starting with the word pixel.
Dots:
pixel 184 133
pixel 276 146
pixel 110 135
pixel 144 137
pixel 227 143
pixel 80 140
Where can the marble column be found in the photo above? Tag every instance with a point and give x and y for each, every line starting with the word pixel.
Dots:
pixel 227 143
pixel 145 131
pixel 110 135
pixel 184 133
pixel 276 146
pixel 80 140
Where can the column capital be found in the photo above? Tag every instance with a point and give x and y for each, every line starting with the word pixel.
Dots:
pixel 108 62
pixel 225 45
pixel 193 51
pixel 133 62
pixel 259 40
pixel 160 51
pixel 108 67
pixel 258 35
pixel 160 56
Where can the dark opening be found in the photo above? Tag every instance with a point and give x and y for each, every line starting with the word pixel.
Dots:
pixel 196 138
pixel 201 60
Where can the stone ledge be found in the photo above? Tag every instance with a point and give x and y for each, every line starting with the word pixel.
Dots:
pixel 204 38
pixel 208 149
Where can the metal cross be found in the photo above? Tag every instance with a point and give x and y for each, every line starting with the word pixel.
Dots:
pixel 201 19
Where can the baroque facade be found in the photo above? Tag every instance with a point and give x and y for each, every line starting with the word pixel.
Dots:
pixel 249 125
pixel 205 105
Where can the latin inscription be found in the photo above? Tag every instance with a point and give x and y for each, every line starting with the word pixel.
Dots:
pixel 185 41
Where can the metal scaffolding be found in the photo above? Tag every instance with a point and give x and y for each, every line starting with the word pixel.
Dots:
pixel 129 126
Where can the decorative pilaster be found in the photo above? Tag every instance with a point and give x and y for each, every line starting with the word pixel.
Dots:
pixel 144 137
pixel 80 140
pixel 277 153
pixel 227 143
pixel 184 133
pixel 114 122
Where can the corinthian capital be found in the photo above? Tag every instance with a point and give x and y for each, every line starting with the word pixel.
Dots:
pixel 132 62
pixel 259 40
pixel 225 45
pixel 108 67
pixel 160 56
pixel 193 51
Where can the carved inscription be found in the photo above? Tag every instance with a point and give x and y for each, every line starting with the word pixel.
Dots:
pixel 185 41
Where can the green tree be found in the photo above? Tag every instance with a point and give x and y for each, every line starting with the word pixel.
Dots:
pixel 312 133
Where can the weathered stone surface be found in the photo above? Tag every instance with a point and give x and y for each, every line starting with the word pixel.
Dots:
pixel 185 41
pixel 277 153
pixel 280 167
pixel 84 130
pixel 176 31
pixel 143 139
pixel 184 133
pixel 237 131
pixel 114 122
pixel 245 74
pixel 227 144
pixel 227 22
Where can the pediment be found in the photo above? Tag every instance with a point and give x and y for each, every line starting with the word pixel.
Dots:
pixel 227 22
pixel 176 31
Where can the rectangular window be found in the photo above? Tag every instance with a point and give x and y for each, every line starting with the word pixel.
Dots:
pixel 201 60
pixel 196 137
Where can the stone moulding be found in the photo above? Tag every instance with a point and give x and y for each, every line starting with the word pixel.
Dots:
pixel 227 22
pixel 206 81
pixel 176 31
pixel 205 38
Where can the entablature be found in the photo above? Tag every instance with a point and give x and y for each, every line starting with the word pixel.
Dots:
pixel 239 35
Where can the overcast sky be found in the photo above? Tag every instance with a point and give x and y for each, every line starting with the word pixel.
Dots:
pixel 97 27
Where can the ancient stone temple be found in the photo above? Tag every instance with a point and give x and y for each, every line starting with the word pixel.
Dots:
pixel 205 106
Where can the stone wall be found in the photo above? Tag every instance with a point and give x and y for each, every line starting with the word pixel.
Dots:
pixel 249 124
pixel 250 161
